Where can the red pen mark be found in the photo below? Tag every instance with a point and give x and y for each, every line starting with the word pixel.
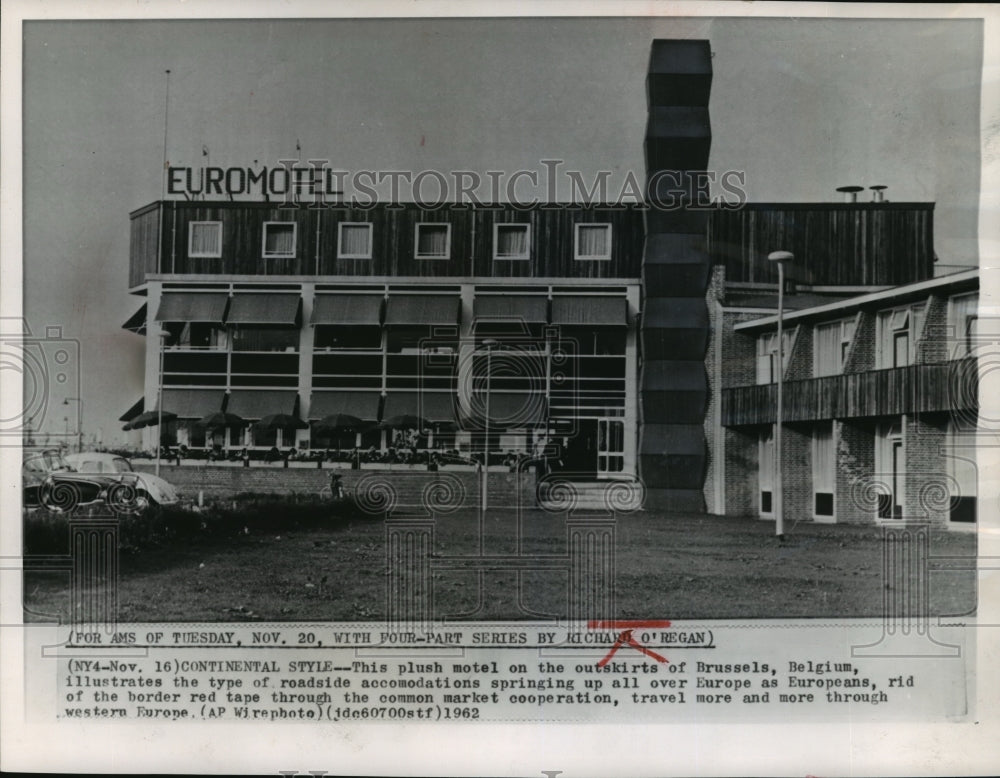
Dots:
pixel 625 638
pixel 629 624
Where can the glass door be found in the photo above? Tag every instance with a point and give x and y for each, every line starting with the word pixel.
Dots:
pixel 610 448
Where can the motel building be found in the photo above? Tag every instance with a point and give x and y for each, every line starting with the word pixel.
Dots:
pixel 880 398
pixel 627 342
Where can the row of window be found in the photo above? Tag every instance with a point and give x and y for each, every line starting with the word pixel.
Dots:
pixel 898 331
pixel 889 473
pixel 431 240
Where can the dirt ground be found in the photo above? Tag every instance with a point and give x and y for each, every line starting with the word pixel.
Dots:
pixel 665 566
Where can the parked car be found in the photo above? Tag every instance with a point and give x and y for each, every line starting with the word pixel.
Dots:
pixel 48 479
pixel 150 489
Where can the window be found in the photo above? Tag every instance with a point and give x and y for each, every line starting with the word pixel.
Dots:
pixel 279 240
pixel 960 452
pixel 767 355
pixel 195 335
pixel 899 330
pixel 890 470
pixel 205 239
pixel 354 240
pixel 510 241
pixel 432 241
pixel 824 464
pixel 963 320
pixel 265 338
pixel 832 342
pixel 339 336
pixel 593 241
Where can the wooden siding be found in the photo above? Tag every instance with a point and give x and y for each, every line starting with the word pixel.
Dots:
pixel 393 231
pixel 846 244
pixel 143 244
pixel 914 389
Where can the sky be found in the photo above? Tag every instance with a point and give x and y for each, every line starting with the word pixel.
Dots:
pixel 799 106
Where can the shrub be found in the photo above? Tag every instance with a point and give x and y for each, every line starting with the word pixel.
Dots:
pixel 48 533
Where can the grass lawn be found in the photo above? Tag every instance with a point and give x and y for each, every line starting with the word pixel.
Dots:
pixel 667 566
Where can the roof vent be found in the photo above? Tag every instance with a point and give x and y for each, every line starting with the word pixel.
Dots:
pixel 850 193
pixel 878 193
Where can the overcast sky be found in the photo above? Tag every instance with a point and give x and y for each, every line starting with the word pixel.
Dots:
pixel 802 106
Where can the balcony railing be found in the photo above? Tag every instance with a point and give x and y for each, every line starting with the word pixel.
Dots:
pixel 913 389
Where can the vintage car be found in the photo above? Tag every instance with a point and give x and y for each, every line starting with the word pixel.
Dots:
pixel 150 489
pixel 51 480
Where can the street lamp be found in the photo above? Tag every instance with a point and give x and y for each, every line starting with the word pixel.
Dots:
pixel 489 343
pixel 79 420
pixel 780 258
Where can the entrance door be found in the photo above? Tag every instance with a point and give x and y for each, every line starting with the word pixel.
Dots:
pixel 610 448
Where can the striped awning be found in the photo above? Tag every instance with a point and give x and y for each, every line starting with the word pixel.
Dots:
pixel 137 321
pixel 357 309
pixel 258 403
pixel 364 405
pixel 192 403
pixel 530 309
pixel 192 306
pixel 138 407
pixel 414 310
pixel 264 308
pixel 435 407
pixel 590 310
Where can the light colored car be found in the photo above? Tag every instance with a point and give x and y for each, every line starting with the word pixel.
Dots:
pixel 150 489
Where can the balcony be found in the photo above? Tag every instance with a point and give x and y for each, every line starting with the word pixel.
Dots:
pixel 913 389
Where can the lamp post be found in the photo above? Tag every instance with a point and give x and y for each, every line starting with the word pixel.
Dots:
pixel 780 258
pixel 489 343
pixel 79 420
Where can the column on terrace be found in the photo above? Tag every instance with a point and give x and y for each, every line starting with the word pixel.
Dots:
pixel 154 292
pixel 306 341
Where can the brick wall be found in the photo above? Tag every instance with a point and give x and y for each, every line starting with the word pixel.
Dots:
pixel 410 486
pixel 861 355
pixel 855 467
pixel 933 344
pixel 796 469
pixel 927 492
pixel 739 351
pixel 741 471
pixel 800 361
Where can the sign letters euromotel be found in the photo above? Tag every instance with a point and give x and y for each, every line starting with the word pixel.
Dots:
pixel 286 179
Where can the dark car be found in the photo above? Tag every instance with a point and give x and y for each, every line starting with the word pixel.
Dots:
pixel 49 480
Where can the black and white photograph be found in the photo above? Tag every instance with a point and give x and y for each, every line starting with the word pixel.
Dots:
pixel 519 367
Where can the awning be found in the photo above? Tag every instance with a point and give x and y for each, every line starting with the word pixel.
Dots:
pixel 414 310
pixel 358 309
pixel 258 403
pixel 192 403
pixel 192 306
pixel 596 310
pixel 510 410
pixel 137 321
pixel 436 407
pixel 511 308
pixel 364 405
pixel 264 308
pixel 135 410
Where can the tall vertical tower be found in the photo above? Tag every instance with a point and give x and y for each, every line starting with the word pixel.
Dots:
pixel 673 388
